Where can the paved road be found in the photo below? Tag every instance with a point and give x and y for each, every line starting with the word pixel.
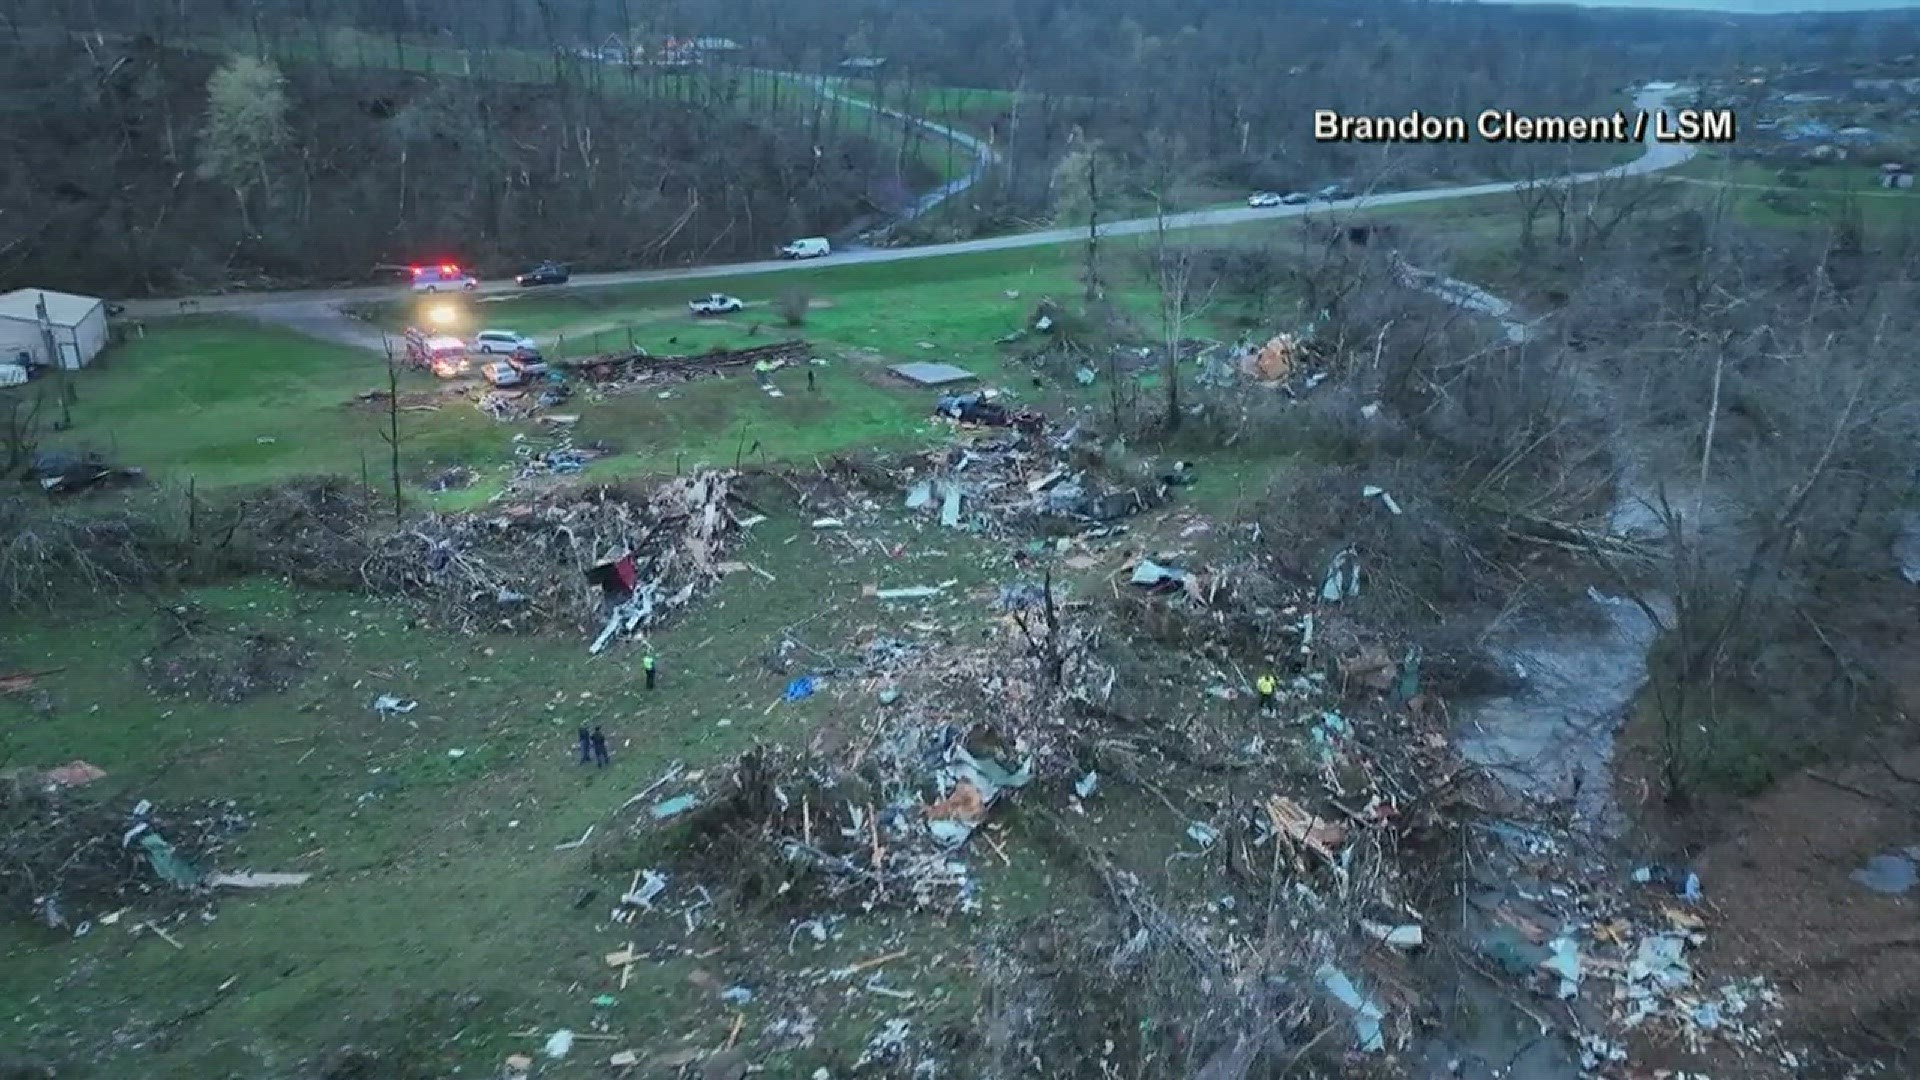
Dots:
pixel 1658 156
pixel 984 155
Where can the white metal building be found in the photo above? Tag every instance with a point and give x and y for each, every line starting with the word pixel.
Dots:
pixel 78 325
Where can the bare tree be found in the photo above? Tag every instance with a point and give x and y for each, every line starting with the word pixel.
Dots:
pixel 1083 185
pixel 391 436
pixel 19 431
pixel 1174 270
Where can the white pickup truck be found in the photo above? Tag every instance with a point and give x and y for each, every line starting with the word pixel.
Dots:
pixel 715 304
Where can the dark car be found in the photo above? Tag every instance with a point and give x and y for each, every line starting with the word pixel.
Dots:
pixel 528 362
pixel 547 273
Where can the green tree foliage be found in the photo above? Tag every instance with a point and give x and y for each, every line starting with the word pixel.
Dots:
pixel 1085 182
pixel 246 127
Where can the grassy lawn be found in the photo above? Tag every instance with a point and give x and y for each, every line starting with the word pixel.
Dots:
pixel 441 918
pixel 228 402
pixel 1831 178
pixel 223 402
pixel 967 107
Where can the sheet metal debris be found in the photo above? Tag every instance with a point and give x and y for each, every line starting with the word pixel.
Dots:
pixel 1343 577
pixel 674 807
pixel 1366 1012
pixel 929 374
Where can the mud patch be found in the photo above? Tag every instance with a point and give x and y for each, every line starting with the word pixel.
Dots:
pixel 1784 880
pixel 198 660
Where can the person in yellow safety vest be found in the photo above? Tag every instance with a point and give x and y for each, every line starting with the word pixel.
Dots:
pixel 1266 685
pixel 763 371
pixel 646 664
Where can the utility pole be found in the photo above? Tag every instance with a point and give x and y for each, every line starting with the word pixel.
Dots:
pixel 53 357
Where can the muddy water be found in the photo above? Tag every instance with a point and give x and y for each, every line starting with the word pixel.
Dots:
pixel 1551 738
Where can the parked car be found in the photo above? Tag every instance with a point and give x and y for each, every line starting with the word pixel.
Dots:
pixel 501 341
pixel 443 278
pixel 1333 193
pixel 501 373
pixel 528 362
pixel 715 304
pixel 449 366
pixel 1260 199
pixel 547 273
pixel 811 247
pixel 1294 198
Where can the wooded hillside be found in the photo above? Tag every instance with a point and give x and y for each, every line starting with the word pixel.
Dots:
pixel 116 178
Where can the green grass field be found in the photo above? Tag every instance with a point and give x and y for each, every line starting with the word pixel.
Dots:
pixel 441 918
pixel 219 402
pixel 225 402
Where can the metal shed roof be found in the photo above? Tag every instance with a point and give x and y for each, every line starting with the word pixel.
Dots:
pixel 63 309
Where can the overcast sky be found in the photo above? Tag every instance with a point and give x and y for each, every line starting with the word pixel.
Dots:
pixel 1744 7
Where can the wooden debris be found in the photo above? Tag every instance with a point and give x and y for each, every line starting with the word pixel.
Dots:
pixel 874 962
pixel 571 844
pixel 1318 835
pixel 257 881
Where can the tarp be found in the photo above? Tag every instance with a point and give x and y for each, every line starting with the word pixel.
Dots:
pixel 172 869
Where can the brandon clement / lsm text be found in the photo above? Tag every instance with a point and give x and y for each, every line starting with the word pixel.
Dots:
pixel 1507 126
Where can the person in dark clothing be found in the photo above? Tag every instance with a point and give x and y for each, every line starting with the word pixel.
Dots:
pixel 809 380
pixel 646 664
pixel 600 757
pixel 586 746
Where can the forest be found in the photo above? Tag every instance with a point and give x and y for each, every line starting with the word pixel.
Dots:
pixel 499 135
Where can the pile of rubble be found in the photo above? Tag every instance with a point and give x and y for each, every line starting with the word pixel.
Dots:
pixel 958 729
pixel 1003 482
pixel 521 402
pixel 627 371
pixel 601 555
pixel 538 459
pixel 1610 954
pixel 72 865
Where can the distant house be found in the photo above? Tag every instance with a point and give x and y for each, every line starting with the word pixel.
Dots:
pixel 864 66
pixel 675 52
pixel 679 52
pixel 77 326
pixel 1857 135
pixel 614 51
pixel 1896 176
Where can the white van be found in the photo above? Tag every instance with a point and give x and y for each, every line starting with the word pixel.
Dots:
pixel 443 278
pixel 812 247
